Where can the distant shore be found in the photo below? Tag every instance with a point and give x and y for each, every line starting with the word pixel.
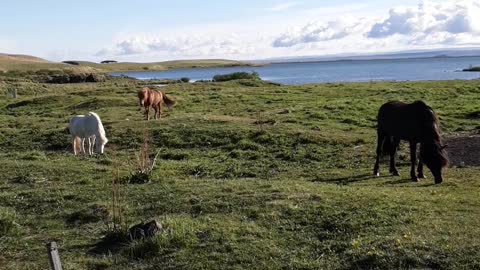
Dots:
pixel 472 69
pixel 26 63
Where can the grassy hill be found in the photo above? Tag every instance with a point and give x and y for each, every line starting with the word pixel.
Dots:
pixel 26 63
pixel 249 175
pixel 21 58
pixel 29 64
pixel 159 66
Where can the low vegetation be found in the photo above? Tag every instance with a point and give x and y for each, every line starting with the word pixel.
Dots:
pixel 472 69
pixel 249 175
pixel 236 76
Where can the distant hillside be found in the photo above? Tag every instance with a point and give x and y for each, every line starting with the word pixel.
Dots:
pixel 22 58
pixel 27 63
pixel 438 53
pixel 159 66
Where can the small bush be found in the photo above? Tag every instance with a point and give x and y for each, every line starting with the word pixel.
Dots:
pixel 145 164
pixel 236 76
pixel 71 63
pixel 185 80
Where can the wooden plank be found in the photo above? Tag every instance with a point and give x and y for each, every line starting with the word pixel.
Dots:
pixel 53 256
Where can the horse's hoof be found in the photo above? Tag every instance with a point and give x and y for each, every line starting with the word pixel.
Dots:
pixel 421 176
pixel 376 174
pixel 394 174
pixel 415 179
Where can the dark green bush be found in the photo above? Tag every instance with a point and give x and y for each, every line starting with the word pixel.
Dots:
pixel 472 68
pixel 236 76
pixel 71 63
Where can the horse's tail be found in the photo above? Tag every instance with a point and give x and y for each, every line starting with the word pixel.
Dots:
pixel 168 101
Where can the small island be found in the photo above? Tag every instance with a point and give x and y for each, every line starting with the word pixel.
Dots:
pixel 472 69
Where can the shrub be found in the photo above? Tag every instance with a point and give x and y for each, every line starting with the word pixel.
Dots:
pixel 185 79
pixel 236 76
pixel 145 165
pixel 71 63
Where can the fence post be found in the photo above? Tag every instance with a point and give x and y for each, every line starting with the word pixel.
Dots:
pixel 14 94
pixel 53 256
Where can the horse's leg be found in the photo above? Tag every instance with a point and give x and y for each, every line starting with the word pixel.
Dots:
pixel 420 166
pixel 74 143
pixel 82 145
pixel 381 138
pixel 91 141
pixel 413 160
pixel 159 110
pixel 156 111
pixel 147 112
pixel 393 151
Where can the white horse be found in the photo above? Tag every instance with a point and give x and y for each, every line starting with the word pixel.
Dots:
pixel 87 127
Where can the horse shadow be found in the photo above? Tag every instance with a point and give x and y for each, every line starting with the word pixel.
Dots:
pixel 420 183
pixel 346 179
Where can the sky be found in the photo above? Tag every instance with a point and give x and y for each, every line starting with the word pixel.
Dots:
pixel 148 30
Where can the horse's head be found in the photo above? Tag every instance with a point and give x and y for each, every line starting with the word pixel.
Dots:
pixel 435 157
pixel 100 145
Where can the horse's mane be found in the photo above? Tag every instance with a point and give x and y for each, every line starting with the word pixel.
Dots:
pixel 430 120
pixel 101 130
pixel 431 126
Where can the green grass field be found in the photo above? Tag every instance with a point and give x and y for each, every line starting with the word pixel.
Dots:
pixel 250 175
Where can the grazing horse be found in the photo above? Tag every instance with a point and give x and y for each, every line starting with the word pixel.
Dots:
pixel 415 123
pixel 87 127
pixel 149 98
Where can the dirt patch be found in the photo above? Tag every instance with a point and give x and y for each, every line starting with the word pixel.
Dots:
pixel 464 149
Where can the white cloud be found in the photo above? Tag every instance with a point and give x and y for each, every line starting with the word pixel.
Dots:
pixel 439 24
pixel 452 17
pixel 319 31
pixel 182 46
pixel 446 23
pixel 283 6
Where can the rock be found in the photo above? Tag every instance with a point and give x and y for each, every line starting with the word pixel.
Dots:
pixel 93 77
pixel 147 230
pixel 63 78
pixel 78 78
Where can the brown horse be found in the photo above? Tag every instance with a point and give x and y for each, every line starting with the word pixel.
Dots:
pixel 149 98
pixel 415 123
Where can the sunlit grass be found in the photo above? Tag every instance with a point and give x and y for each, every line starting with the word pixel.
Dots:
pixel 248 176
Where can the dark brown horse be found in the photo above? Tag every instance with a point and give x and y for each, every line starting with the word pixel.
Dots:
pixel 149 98
pixel 417 124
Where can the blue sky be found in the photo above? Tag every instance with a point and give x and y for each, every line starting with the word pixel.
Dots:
pixel 147 30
